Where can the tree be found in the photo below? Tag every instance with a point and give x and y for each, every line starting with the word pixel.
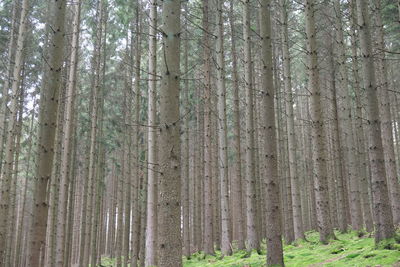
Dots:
pixel 293 172
pixel 381 207
pixel 169 218
pixel 222 135
pixel 68 129
pixel 151 230
pixel 7 175
pixel 271 181
pixel 318 130
pixel 208 241
pixel 237 205
pixel 252 235
pixel 47 128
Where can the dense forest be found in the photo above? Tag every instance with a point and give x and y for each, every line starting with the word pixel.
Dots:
pixel 199 133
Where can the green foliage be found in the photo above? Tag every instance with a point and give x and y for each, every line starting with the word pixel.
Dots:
pixel 347 250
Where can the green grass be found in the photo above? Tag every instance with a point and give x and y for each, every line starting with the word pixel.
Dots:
pixel 348 250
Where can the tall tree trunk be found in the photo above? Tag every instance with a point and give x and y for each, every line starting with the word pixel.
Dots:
pixel 252 235
pixel 341 182
pixel 222 135
pixel 136 51
pixel 11 67
pixel 47 128
pixel 386 117
pixel 208 239
pixel 92 152
pixel 271 181
pixel 185 148
pixel 13 210
pixel 169 219
pixel 381 205
pixel 292 147
pixel 345 129
pixel 237 208
pixel 362 162
pixel 151 228
pixel 317 130
pixel 67 139
pixel 7 175
pixel 21 241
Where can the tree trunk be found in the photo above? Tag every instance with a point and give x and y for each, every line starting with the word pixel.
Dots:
pixel 169 219
pixel 47 129
pixel 236 191
pixel 222 135
pixel 7 175
pixel 317 130
pixel 252 235
pixel 208 239
pixel 386 118
pixel 67 140
pixel 271 181
pixel 151 224
pixel 381 205
pixel 185 149
pixel 362 162
pixel 292 147
pixel 344 124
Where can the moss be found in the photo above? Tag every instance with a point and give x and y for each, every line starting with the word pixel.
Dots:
pixel 347 250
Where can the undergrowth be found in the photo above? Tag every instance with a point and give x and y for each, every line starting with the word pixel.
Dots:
pixel 351 249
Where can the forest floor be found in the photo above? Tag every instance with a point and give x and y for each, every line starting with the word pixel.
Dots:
pixel 349 250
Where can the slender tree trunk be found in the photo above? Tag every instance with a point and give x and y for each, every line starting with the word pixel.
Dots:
pixel 208 245
pixel 185 149
pixel 237 214
pixel 68 255
pixel 386 117
pixel 271 181
pixel 21 241
pixel 381 205
pixel 344 118
pixel 151 228
pixel 47 129
pixel 169 219
pixel 363 166
pixel 127 110
pixel 318 130
pixel 292 147
pixel 341 188
pixel 67 140
pixel 9 78
pixel 13 211
pixel 135 50
pixel 222 135
pixel 6 175
pixel 252 235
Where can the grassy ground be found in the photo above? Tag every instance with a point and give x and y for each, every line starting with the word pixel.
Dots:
pixel 348 250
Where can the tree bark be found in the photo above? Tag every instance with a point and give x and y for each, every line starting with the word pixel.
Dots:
pixel 169 219
pixel 252 235
pixel 222 135
pixel 237 208
pixel 271 181
pixel 208 239
pixel 67 139
pixel 47 129
pixel 318 130
pixel 151 228
pixel 381 205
